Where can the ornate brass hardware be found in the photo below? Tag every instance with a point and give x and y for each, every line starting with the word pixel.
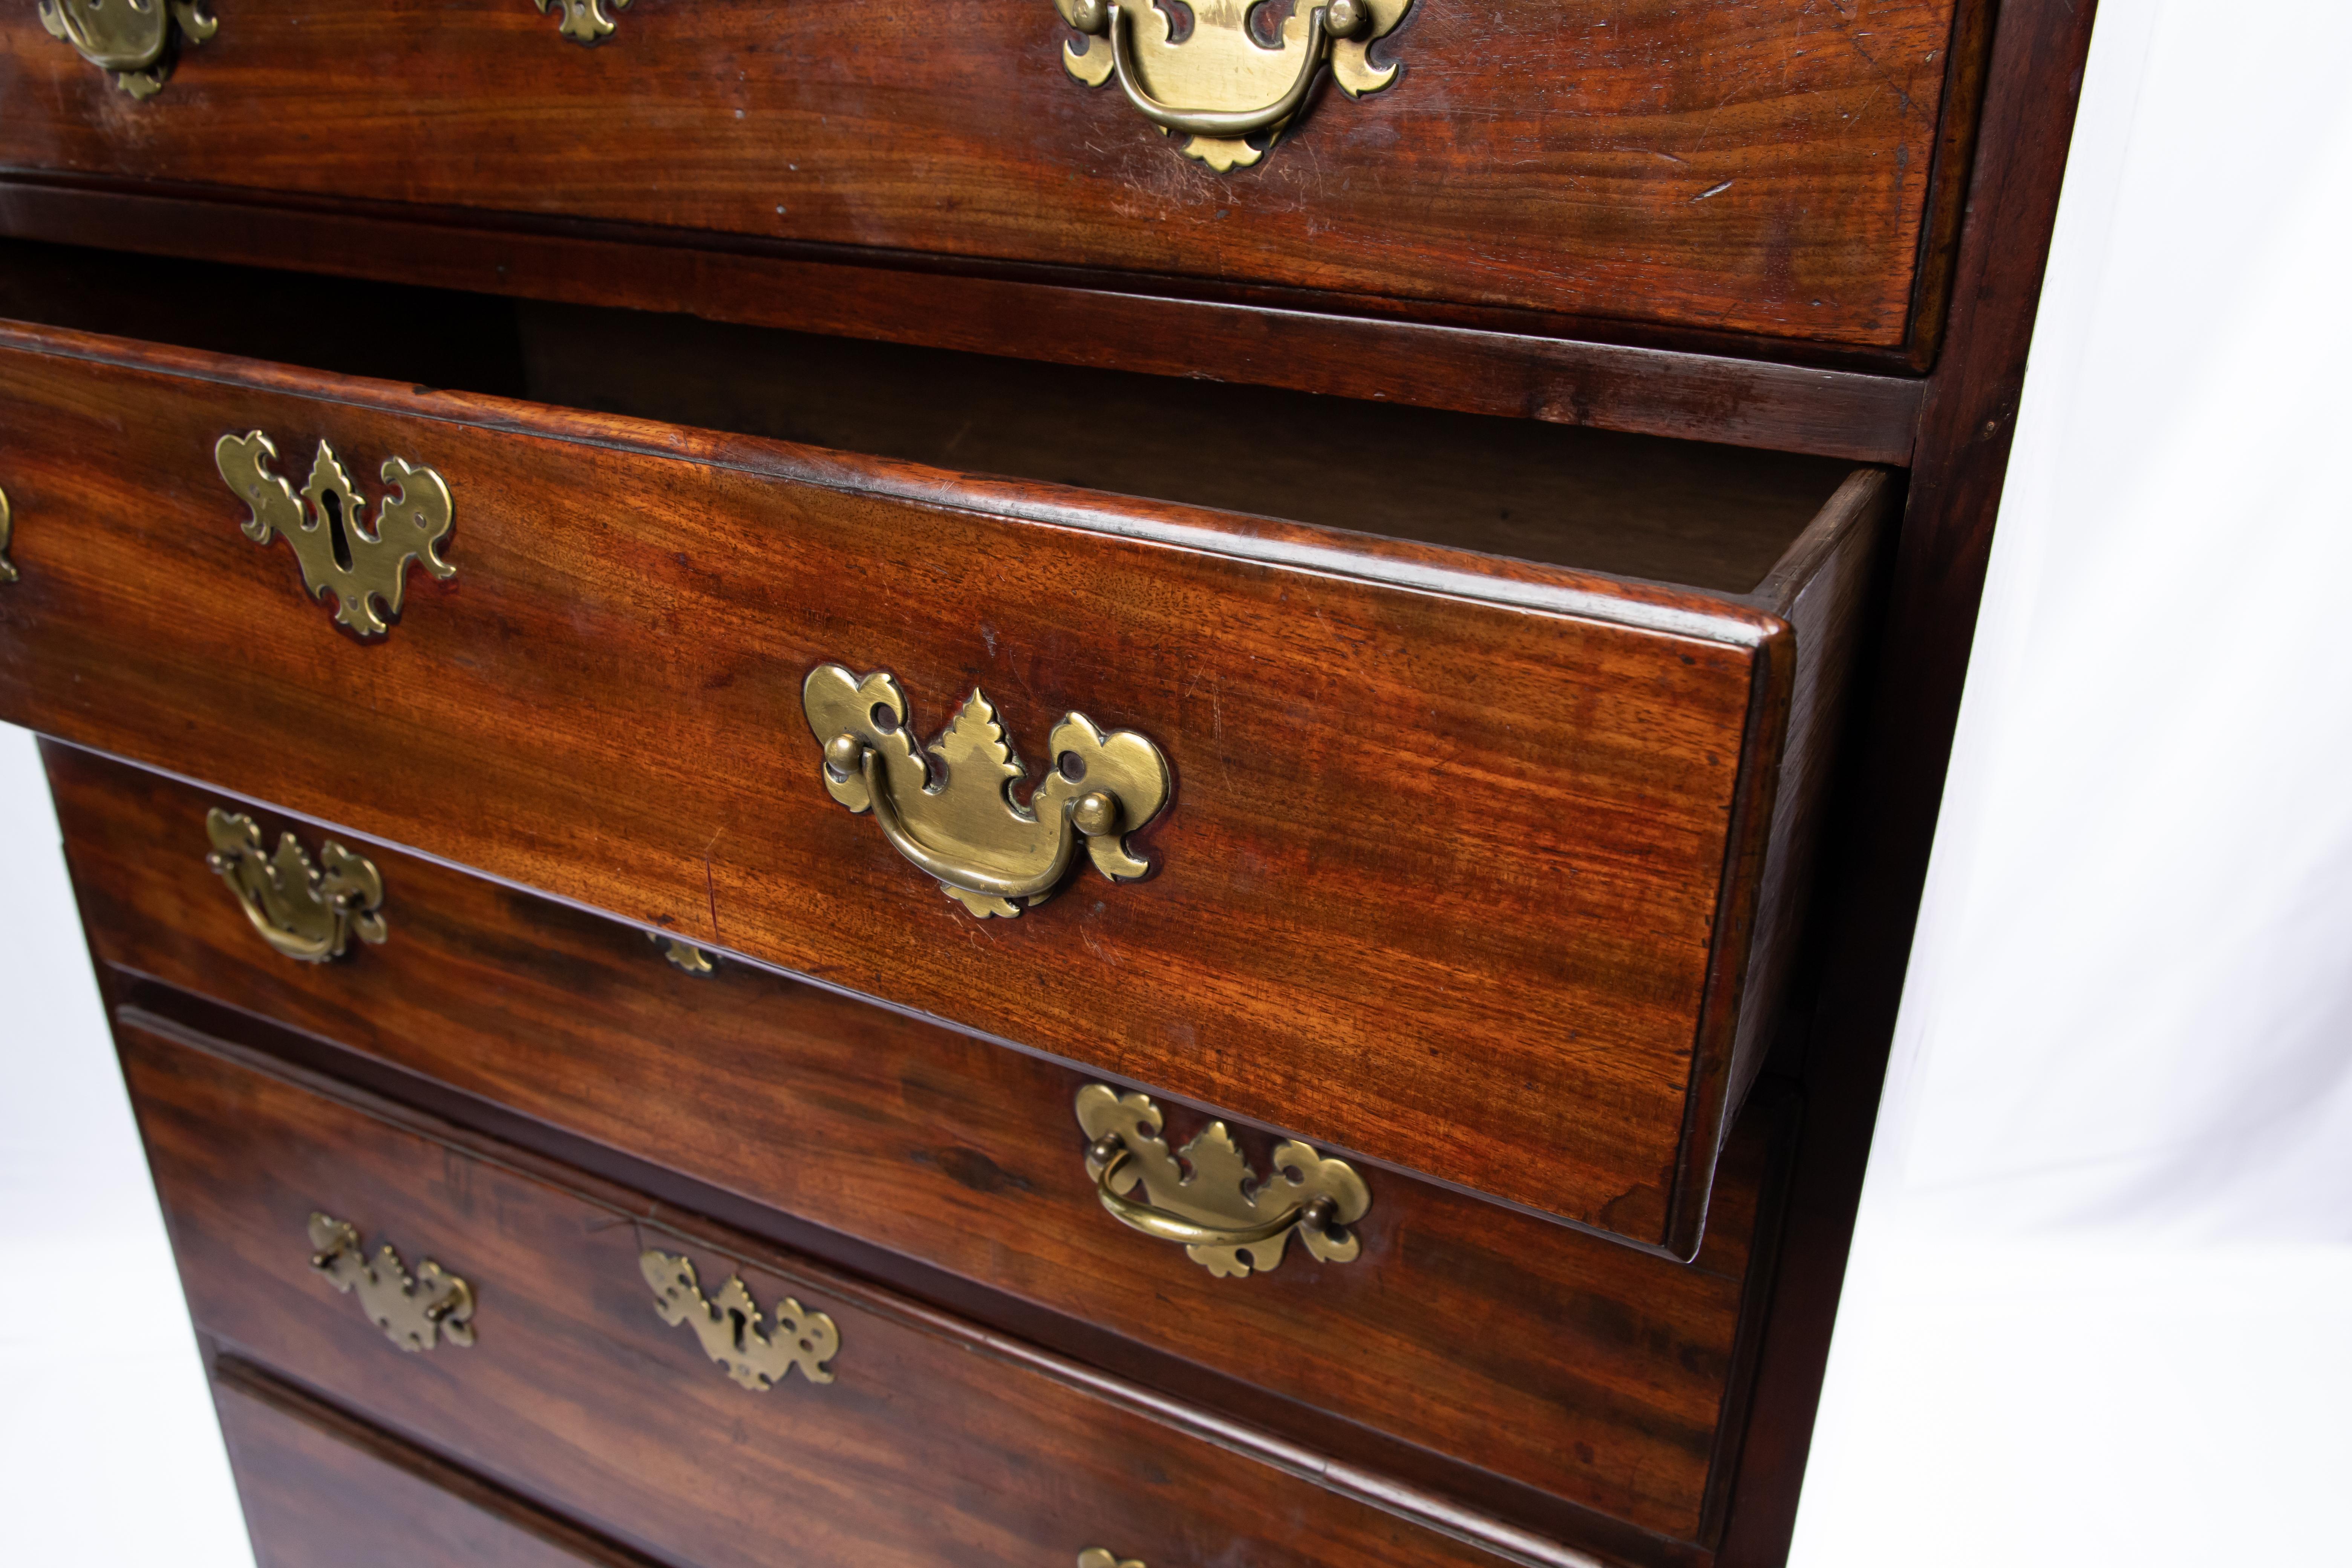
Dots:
pixel 364 569
pixel 1099 1557
pixel 8 533
pixel 989 852
pixel 1220 86
pixel 301 910
pixel 409 1311
pixel 729 1328
pixel 584 21
pixel 1227 1221
pixel 135 39
pixel 684 954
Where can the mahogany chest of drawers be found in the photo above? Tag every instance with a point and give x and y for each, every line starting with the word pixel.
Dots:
pixel 1090 784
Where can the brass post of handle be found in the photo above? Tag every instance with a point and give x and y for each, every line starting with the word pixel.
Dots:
pixel 1225 1218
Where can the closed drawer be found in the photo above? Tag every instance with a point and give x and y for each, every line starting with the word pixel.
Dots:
pixel 323 1490
pixel 1605 1376
pixel 1747 166
pixel 1486 869
pixel 863 1429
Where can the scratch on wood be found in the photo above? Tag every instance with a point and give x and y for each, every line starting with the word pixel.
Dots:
pixel 1715 191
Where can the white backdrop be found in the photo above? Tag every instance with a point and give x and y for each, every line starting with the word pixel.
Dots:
pixel 2101 1308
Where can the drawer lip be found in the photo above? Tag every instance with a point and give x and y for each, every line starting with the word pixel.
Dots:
pixel 1648 1185
pixel 712 1240
pixel 1731 620
pixel 1860 406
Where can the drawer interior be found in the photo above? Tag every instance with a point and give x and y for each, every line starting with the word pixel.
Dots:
pixel 1711 517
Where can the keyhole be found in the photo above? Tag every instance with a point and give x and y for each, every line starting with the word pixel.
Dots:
pixel 331 503
pixel 740 1323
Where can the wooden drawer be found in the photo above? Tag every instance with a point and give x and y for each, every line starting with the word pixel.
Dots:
pixel 1605 1376
pixel 1744 166
pixel 920 1440
pixel 323 1490
pixel 1485 868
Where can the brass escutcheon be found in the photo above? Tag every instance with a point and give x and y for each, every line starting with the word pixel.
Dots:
pixel 1221 87
pixel 957 820
pixel 135 39
pixel 683 955
pixel 584 21
pixel 1227 1221
pixel 730 1329
pixel 411 1312
pixel 303 911
pixel 8 533
pixel 365 568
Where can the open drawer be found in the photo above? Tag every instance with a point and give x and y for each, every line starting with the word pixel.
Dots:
pixel 1486 865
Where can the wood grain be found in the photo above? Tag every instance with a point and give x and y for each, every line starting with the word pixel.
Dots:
pixel 323 1490
pixel 936 1444
pixel 1760 166
pixel 1568 373
pixel 1441 885
pixel 1596 1373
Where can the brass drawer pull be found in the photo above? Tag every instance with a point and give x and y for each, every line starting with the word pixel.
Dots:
pixel 731 1330
pixel 584 21
pixel 301 910
pixel 1238 87
pixel 364 568
pixel 990 853
pixel 411 1312
pixel 8 533
pixel 132 38
pixel 1226 1220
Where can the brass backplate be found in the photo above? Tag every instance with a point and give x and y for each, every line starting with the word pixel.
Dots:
pixel 732 1333
pixel 7 535
pixel 1228 1222
pixel 1101 1557
pixel 684 955
pixel 411 1312
pixel 367 568
pixel 955 815
pixel 135 39
pixel 305 911
pixel 1228 94
pixel 584 21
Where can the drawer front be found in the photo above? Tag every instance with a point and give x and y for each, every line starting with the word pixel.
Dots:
pixel 1752 166
pixel 322 1491
pixel 1596 1373
pixel 1456 863
pixel 918 1441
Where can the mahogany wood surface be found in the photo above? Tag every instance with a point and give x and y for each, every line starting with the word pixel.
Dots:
pixel 323 1490
pixel 1575 373
pixel 1760 166
pixel 1562 1360
pixel 1443 879
pixel 935 1442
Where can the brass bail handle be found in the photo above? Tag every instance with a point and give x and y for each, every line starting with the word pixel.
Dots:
pixel 1111 1154
pixel 1336 19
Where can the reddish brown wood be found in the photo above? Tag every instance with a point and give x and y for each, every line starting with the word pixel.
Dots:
pixel 2034 78
pixel 1598 1373
pixel 1515 369
pixel 323 1490
pixel 1441 884
pixel 1761 166
pixel 935 1442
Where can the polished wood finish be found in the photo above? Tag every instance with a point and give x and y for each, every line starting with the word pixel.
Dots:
pixel 1496 363
pixel 937 1442
pixel 323 1490
pixel 1462 869
pixel 1762 166
pixel 1597 1373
